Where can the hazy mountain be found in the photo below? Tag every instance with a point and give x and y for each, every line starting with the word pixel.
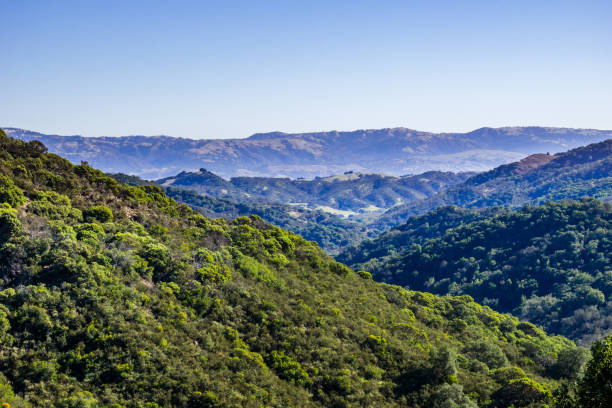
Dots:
pixel 393 151
pixel 585 171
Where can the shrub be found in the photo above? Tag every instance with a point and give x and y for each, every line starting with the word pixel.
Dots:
pixel 521 392
pixel 9 224
pixel 287 368
pixel 98 213
pixel 9 193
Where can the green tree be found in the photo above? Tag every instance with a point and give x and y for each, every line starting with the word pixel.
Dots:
pixel 595 388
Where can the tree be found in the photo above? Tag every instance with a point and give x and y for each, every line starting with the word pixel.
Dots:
pixel 595 388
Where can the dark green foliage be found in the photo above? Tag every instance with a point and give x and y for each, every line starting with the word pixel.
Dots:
pixel 548 264
pixel 595 388
pixel 452 396
pixel 160 306
pixel 415 231
pixel 9 224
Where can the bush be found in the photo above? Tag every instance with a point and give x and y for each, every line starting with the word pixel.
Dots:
pixel 522 392
pixel 595 390
pixel 488 353
pixel 9 193
pixel 98 213
pixel 287 368
pixel 9 224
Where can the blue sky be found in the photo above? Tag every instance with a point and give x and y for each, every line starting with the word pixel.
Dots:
pixel 229 69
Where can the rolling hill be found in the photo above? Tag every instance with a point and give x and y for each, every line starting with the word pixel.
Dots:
pixel 584 171
pixel 117 296
pixel 394 151
pixel 354 195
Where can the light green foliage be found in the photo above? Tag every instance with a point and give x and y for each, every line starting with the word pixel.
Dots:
pixel 211 267
pixel 521 392
pixel 9 193
pixel 254 269
pixel 288 368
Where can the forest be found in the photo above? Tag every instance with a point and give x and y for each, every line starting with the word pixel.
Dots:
pixel 547 264
pixel 118 296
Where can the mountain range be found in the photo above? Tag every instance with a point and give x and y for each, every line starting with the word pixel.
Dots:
pixel 396 151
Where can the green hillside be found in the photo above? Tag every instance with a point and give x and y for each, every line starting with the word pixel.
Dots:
pixel 332 233
pixel 549 264
pixel 116 296
pixel 360 196
pixel 585 171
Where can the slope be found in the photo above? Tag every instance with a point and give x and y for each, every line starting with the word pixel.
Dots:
pixel 116 296
pixel 549 264
pixel 330 232
pixel 585 171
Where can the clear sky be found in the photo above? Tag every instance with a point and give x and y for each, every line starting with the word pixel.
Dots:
pixel 229 69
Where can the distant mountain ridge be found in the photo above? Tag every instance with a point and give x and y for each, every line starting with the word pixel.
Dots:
pixel 393 151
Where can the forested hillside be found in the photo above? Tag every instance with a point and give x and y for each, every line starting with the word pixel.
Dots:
pixel 116 296
pixel 550 264
pixel 585 171
pixel 331 232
